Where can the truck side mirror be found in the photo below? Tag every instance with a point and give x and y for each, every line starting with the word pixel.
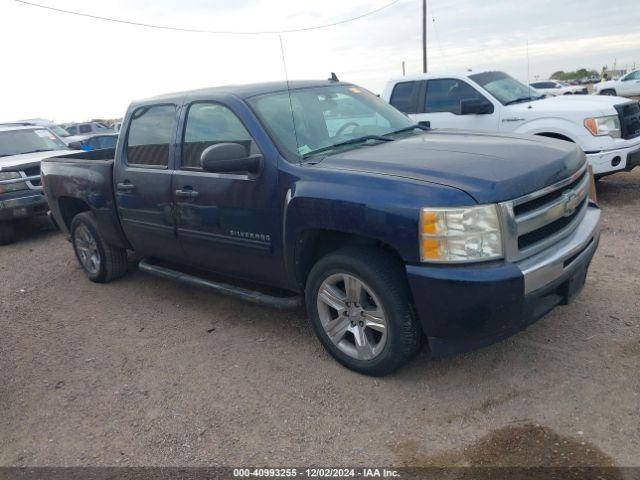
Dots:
pixel 229 157
pixel 75 146
pixel 475 106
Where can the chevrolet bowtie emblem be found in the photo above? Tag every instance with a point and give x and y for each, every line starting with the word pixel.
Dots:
pixel 570 200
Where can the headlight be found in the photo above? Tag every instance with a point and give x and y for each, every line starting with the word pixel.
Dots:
pixel 456 235
pixel 11 187
pixel 603 126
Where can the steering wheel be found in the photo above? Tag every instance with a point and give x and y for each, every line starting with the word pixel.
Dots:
pixel 341 130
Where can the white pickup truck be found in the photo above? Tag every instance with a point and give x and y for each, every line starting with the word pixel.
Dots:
pixel 606 128
pixel 627 86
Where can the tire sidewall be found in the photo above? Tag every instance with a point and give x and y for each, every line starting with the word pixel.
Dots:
pixel 86 220
pixel 396 309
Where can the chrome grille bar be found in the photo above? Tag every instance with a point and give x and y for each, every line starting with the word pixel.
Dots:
pixel 572 202
pixel 564 206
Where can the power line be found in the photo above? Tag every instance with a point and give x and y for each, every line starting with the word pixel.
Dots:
pixel 215 32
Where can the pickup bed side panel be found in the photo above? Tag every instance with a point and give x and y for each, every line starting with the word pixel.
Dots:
pixel 381 208
pixel 74 180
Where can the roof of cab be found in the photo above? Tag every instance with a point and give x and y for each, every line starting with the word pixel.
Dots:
pixel 245 91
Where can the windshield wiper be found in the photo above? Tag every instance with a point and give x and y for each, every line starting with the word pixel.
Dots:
pixel 353 141
pixel 522 99
pixel 409 129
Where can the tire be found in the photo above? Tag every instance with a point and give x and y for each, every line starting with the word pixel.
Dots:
pixel 609 92
pixel 359 341
pixel 7 233
pixel 100 261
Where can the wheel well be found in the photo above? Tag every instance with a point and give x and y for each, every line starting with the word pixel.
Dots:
pixel 558 136
pixel 70 207
pixel 312 245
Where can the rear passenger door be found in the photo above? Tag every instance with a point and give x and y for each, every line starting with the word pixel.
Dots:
pixel 227 222
pixel 142 180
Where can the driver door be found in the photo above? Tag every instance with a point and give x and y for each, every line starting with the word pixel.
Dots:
pixel 441 107
pixel 227 222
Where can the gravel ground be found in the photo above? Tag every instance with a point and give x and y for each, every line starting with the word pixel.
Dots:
pixel 144 371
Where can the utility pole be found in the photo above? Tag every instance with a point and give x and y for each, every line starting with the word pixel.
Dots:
pixel 424 36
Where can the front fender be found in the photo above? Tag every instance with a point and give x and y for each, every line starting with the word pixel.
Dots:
pixel 558 126
pixel 381 208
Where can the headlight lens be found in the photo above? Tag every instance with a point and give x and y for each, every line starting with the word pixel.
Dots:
pixel 11 187
pixel 456 235
pixel 609 125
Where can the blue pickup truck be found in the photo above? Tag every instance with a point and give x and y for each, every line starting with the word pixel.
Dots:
pixel 320 193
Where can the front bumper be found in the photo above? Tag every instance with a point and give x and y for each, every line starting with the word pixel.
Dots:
pixel 22 204
pixel 466 307
pixel 611 161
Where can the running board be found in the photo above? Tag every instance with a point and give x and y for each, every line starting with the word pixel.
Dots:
pixel 282 303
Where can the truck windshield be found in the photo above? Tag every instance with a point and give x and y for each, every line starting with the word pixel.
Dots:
pixel 17 142
pixel 505 88
pixel 61 132
pixel 325 117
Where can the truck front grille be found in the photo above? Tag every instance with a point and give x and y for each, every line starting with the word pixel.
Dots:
pixel 629 114
pixel 538 220
pixel 34 174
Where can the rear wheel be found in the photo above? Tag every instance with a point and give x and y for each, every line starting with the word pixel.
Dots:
pixel 7 233
pixel 360 308
pixel 100 261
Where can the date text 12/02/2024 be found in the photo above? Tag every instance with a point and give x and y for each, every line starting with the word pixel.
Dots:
pixel 315 473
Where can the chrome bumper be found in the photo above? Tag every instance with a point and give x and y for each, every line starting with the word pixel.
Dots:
pixel 552 263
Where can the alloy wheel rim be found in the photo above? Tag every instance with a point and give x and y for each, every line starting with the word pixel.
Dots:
pixel 87 249
pixel 352 316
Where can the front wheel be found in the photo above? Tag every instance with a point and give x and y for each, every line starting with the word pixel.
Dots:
pixel 100 261
pixel 7 233
pixel 360 308
pixel 608 92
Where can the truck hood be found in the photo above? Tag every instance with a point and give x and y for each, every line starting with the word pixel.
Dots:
pixel 489 167
pixel 588 105
pixel 24 160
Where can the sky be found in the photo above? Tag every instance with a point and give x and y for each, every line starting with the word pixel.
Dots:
pixel 68 68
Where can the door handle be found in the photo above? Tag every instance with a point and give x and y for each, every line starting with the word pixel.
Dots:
pixel 186 193
pixel 125 187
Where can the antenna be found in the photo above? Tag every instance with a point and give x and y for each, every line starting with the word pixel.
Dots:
pixel 334 77
pixel 286 76
pixel 528 74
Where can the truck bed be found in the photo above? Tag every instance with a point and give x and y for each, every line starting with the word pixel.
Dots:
pixel 105 154
pixel 83 181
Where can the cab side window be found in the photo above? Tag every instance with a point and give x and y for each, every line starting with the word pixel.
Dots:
pixel 405 97
pixel 208 124
pixel 445 95
pixel 149 136
pixel 86 128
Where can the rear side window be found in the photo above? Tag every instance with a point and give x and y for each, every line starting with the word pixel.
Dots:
pixel 405 97
pixel 150 135
pixel 209 124
pixel 445 95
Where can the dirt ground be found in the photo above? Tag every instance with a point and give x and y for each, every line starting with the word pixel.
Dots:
pixel 144 371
